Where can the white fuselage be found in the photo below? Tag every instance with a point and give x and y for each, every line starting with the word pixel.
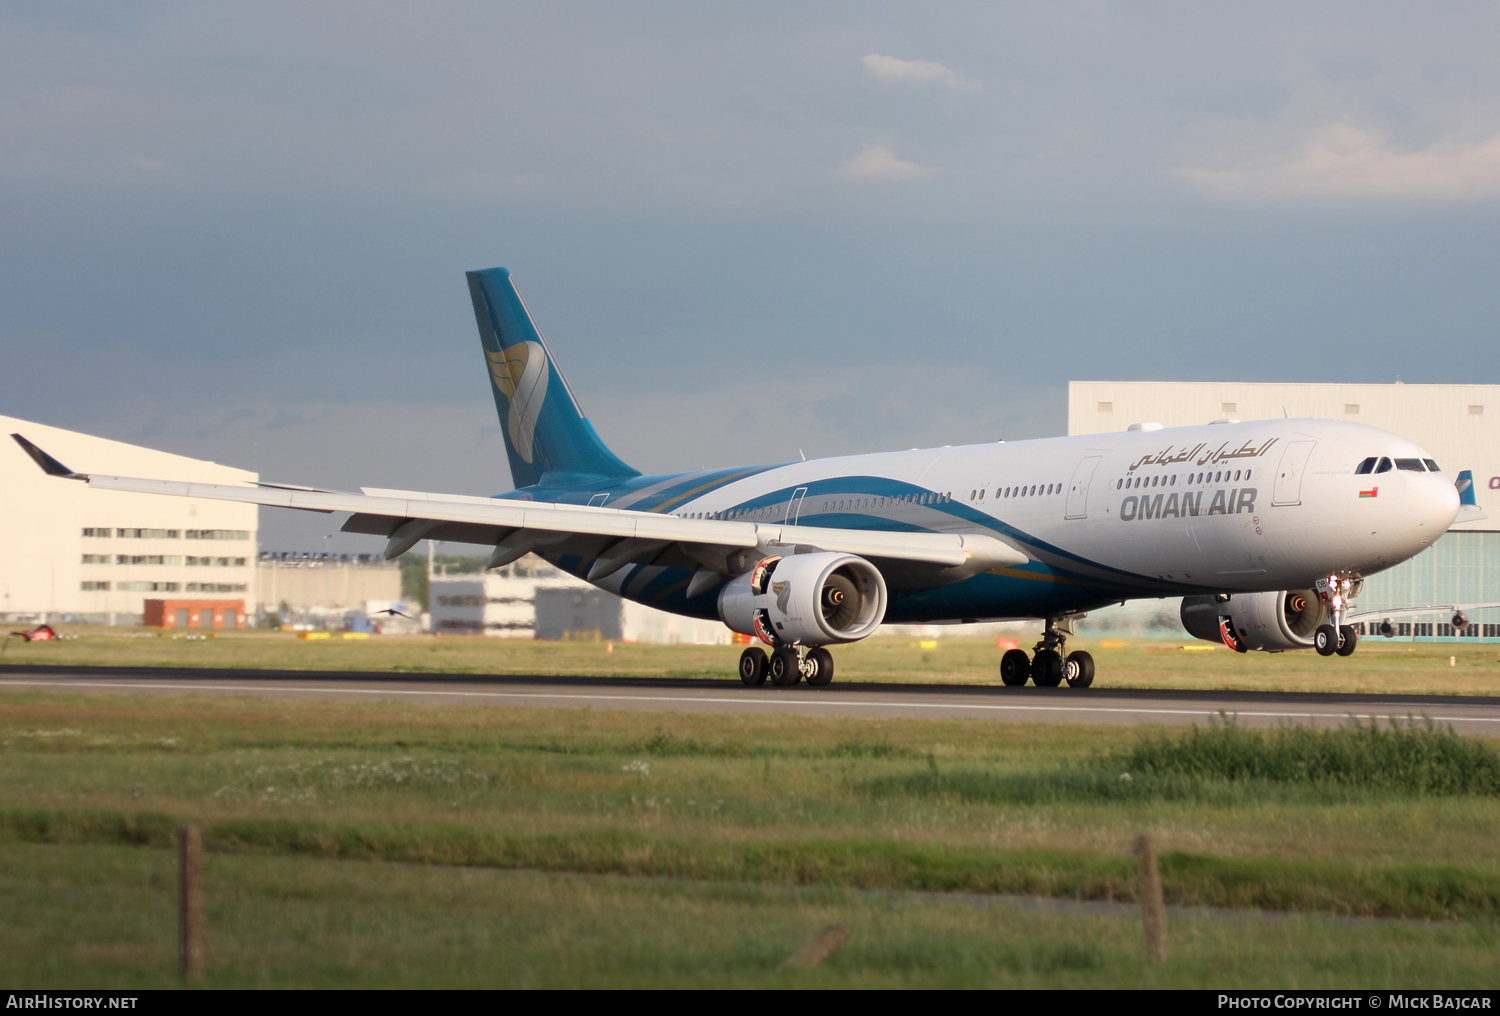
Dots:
pixel 1227 507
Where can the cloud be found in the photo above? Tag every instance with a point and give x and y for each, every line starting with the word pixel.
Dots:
pixel 1347 162
pixel 890 68
pixel 878 162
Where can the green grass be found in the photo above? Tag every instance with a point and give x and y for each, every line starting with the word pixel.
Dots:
pixel 1414 758
pixel 1378 667
pixel 104 917
pixel 1225 764
pixel 1357 822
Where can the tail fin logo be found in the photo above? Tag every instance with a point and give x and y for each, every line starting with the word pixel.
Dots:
pixel 520 372
pixel 1465 487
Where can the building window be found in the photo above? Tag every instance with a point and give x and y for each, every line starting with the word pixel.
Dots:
pixel 94 587
pixel 148 587
pixel 220 562
pixel 216 587
pixel 1229 407
pixel 103 531
pixel 1476 410
pixel 1351 408
pixel 96 559
pixel 144 558
pixel 147 534
pixel 218 534
pixel 1106 407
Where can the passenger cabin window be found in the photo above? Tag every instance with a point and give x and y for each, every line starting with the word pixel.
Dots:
pixel 1411 465
pixel 1367 466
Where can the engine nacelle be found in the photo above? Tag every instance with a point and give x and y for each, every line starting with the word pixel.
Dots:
pixel 811 599
pixel 1262 621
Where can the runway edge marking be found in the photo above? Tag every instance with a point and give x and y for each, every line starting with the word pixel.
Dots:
pixel 714 700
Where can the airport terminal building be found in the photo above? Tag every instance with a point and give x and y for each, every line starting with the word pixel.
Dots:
pixel 73 554
pixel 1458 425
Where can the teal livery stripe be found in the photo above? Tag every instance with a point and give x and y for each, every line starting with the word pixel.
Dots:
pixel 853 495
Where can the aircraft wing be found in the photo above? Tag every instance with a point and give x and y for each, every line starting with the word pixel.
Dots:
pixel 1432 608
pixel 611 538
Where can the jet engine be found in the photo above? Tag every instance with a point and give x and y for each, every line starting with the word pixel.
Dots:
pixel 811 599
pixel 1262 621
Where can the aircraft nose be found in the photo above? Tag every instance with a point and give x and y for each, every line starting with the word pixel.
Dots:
pixel 1439 504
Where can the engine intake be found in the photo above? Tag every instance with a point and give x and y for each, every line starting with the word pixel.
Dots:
pixel 811 599
pixel 1264 621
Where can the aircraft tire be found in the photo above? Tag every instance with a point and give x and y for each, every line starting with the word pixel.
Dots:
pixel 1326 640
pixel 1015 668
pixel 1047 668
pixel 1348 640
pixel 785 668
pixel 753 667
pixel 1080 669
pixel 822 674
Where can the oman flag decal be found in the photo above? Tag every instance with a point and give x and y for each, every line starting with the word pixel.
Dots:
pixel 1372 492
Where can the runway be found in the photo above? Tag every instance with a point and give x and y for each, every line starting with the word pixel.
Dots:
pixel 1469 715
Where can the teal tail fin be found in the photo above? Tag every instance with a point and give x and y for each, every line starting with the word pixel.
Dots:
pixel 1465 485
pixel 545 431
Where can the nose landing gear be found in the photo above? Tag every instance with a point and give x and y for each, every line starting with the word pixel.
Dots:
pixel 1047 667
pixel 1336 637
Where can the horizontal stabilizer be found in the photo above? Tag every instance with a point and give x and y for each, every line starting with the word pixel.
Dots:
pixel 1468 513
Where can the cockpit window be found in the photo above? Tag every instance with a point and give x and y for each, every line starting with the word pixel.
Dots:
pixel 1411 465
pixel 1384 466
pixel 1432 465
pixel 1367 466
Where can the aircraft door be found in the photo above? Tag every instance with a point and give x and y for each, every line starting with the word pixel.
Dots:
pixel 794 506
pixel 1288 487
pixel 1078 489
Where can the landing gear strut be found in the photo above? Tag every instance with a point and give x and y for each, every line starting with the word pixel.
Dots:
pixel 1048 667
pixel 786 666
pixel 1336 637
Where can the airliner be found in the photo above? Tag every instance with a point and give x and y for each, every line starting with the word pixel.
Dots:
pixel 1266 529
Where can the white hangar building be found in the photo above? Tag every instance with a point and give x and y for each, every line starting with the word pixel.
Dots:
pixel 70 553
pixel 1459 425
pixel 533 599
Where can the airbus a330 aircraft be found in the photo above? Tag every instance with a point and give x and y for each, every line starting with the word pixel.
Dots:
pixel 1266 529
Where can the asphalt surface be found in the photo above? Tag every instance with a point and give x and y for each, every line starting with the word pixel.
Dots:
pixel 1466 714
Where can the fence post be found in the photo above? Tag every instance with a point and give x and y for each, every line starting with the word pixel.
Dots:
pixel 1148 891
pixel 819 947
pixel 190 900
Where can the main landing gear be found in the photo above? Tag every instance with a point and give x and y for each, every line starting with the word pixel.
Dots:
pixel 1047 667
pixel 786 666
pixel 1337 637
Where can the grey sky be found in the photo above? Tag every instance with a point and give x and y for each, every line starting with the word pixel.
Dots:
pixel 238 230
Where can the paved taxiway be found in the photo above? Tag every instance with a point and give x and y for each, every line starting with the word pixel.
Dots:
pixel 1469 715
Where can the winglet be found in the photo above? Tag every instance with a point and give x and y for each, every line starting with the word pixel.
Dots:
pixel 49 465
pixel 1465 487
pixel 1468 507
